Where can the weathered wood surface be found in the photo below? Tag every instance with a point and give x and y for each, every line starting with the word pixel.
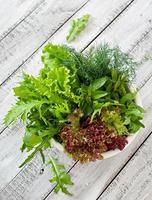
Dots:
pixel 16 140
pixel 28 183
pixel 139 45
pixel 12 13
pixel 135 180
pixel 32 32
pixel 33 64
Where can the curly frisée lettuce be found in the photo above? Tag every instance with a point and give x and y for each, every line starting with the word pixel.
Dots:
pixel 82 101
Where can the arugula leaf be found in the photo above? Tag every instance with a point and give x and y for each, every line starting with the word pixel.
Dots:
pixel 21 109
pixel 42 156
pixel 26 90
pixel 30 157
pixel 31 138
pixel 77 27
pixel 60 177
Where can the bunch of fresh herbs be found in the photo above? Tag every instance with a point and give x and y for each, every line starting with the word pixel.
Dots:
pixel 96 83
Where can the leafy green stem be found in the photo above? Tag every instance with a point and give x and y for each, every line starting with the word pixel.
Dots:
pixel 54 166
pixel 38 148
pixel 60 177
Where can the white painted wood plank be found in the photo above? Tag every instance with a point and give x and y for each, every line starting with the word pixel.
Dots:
pixel 146 92
pixel 108 169
pixel 135 181
pixel 30 183
pixel 136 23
pixel 33 31
pixel 136 29
pixel 12 12
pixel 148 196
pixel 102 15
pixel 30 178
pixel 32 62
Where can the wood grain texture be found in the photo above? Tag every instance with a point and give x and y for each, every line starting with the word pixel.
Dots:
pixel 132 33
pixel 136 23
pixel 32 183
pixel 30 66
pixel 32 32
pixel 102 15
pixel 136 28
pixel 146 92
pixel 98 22
pixel 134 182
pixel 12 13
pixel 97 170
pixel 98 179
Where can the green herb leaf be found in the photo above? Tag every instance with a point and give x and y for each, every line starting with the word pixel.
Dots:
pixel 114 120
pixel 30 157
pixel 98 83
pixel 114 74
pixel 128 97
pixel 77 27
pixel 60 177
pixel 21 109
pixel 42 155
pixel 100 94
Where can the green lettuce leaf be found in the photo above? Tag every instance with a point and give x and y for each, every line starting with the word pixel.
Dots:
pixel 77 27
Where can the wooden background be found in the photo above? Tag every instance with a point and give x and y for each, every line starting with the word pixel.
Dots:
pixel 25 27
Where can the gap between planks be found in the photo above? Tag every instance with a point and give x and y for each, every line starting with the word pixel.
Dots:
pixel 83 48
pixel 12 13
pixel 6 33
pixel 39 46
pixel 135 180
pixel 150 134
pixel 9 74
pixel 137 46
